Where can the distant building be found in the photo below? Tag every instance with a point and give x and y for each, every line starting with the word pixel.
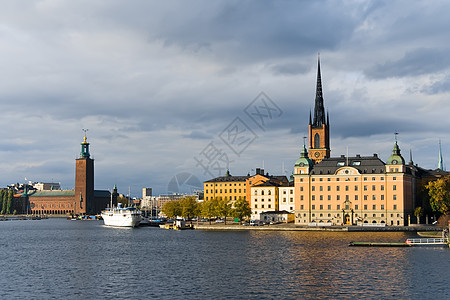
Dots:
pixel 146 192
pixel 46 186
pixel 83 200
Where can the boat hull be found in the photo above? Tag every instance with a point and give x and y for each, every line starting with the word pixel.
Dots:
pixel 121 218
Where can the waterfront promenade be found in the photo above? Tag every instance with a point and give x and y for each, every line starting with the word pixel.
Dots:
pixel 296 227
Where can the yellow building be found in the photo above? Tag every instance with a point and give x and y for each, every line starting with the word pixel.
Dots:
pixel 232 188
pixel 226 187
pixel 353 190
pixel 349 190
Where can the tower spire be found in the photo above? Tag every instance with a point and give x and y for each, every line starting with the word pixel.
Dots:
pixel 441 161
pixel 85 146
pixel 319 111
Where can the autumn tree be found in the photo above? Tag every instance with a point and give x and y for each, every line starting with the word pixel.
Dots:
pixel 172 209
pixel 208 208
pixel 189 207
pixel 418 212
pixel 224 208
pixel 241 209
pixel 439 191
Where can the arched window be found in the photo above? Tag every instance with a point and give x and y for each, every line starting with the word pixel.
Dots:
pixel 316 141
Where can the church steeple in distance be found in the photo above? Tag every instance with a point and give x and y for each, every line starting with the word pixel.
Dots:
pixel 319 111
pixel 319 135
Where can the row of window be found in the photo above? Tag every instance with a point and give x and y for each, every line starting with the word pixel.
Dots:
pixel 290 192
pixel 347 197
pixel 338 207
pixel 347 188
pixel 290 199
pixel 59 205
pixel 269 192
pixel 226 198
pixel 262 206
pixel 262 200
pixel 348 179
pixel 338 215
pixel 224 191
pixel 225 184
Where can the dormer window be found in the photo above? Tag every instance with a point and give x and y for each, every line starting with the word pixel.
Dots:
pixel 356 163
pixel 340 164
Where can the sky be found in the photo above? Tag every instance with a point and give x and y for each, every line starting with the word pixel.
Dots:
pixel 174 93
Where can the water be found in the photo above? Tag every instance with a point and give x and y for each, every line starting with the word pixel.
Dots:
pixel 57 258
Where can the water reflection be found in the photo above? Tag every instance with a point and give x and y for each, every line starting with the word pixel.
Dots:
pixel 59 258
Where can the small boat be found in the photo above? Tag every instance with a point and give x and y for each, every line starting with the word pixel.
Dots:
pixel 430 234
pixel 121 216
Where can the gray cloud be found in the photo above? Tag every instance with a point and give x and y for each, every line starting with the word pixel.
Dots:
pixel 414 63
pixel 155 82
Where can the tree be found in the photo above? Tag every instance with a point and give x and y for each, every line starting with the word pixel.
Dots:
pixel 123 200
pixel 223 209
pixel 209 208
pixel 241 209
pixel 172 209
pixel 418 212
pixel 2 191
pixel 439 191
pixel 9 203
pixel 189 207
pixel 5 202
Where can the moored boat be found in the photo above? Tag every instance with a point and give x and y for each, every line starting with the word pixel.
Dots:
pixel 121 216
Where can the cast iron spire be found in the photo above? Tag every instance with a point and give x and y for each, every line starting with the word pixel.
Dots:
pixel 319 111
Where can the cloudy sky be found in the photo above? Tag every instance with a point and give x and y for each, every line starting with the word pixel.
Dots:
pixel 174 92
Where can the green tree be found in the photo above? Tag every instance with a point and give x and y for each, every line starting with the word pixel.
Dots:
pixel 123 200
pixel 172 209
pixel 224 208
pixel 439 191
pixel 10 203
pixel 5 202
pixel 209 208
pixel 2 191
pixel 189 207
pixel 241 209
pixel 418 212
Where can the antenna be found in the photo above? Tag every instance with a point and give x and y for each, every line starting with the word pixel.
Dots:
pixel 347 156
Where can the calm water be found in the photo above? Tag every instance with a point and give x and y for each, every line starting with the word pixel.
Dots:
pixel 56 258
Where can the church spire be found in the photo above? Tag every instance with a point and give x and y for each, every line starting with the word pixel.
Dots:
pixel 319 111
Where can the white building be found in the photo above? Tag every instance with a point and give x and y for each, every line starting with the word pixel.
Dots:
pixel 264 197
pixel 287 197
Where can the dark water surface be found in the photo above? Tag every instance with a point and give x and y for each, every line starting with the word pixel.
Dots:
pixel 57 258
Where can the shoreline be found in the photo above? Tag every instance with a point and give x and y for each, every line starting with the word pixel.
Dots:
pixel 294 227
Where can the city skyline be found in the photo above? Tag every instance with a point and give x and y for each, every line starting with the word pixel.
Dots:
pixel 160 84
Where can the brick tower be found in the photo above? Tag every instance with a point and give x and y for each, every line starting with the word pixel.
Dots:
pixel 84 181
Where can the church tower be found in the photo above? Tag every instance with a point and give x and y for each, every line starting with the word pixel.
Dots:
pixel 319 133
pixel 84 181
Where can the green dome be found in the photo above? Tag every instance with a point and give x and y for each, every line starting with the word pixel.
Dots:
pixel 395 158
pixel 304 160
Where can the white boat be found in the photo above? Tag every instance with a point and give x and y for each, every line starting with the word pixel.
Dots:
pixel 121 216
